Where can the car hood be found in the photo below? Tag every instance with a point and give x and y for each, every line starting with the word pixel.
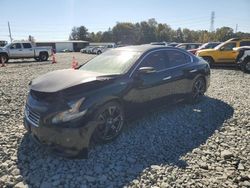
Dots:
pixel 62 79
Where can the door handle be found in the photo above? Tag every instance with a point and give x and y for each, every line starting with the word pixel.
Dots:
pixel 167 78
pixel 194 70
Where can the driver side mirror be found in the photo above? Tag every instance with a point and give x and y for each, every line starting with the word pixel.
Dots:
pixel 146 70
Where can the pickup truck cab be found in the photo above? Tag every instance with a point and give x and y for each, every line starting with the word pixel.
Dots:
pixel 17 50
pixel 223 53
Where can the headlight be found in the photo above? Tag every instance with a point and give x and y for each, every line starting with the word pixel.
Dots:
pixel 70 114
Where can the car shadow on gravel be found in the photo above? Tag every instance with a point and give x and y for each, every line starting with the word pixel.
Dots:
pixel 160 137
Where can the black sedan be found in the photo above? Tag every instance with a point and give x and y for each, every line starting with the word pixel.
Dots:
pixel 68 109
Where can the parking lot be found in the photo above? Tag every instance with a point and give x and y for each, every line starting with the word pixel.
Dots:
pixel 202 145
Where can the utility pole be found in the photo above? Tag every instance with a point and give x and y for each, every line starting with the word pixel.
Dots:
pixel 236 28
pixel 212 22
pixel 10 32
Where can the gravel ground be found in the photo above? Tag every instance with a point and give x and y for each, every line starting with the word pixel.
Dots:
pixel 202 145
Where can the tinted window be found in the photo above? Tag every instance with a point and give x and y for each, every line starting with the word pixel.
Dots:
pixel 192 46
pixel 156 60
pixel 26 45
pixel 176 58
pixel 245 43
pixel 229 46
pixel 182 46
pixel 16 46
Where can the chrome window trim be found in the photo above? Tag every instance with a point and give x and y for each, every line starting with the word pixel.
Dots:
pixel 191 60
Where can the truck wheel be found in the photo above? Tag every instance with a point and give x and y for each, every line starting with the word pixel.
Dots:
pixel 246 66
pixel 43 56
pixel 4 57
pixel 209 60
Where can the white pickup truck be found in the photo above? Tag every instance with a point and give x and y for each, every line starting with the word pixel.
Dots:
pixel 17 50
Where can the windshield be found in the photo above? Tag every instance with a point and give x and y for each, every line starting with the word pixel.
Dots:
pixel 203 46
pixel 112 62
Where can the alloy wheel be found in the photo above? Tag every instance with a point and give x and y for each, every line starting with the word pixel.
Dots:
pixel 247 66
pixel 198 89
pixel 111 123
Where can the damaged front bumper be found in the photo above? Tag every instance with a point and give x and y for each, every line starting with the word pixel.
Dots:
pixel 64 141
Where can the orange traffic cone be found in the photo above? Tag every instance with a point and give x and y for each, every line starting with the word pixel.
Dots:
pixel 2 62
pixel 74 63
pixel 53 58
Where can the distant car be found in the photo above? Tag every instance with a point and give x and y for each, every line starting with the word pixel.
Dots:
pixel 159 43
pixel 66 110
pixel 208 45
pixel 66 50
pixel 188 46
pixel 173 44
pixel 90 49
pixel 85 50
pixel 100 49
pixel 223 53
pixel 243 58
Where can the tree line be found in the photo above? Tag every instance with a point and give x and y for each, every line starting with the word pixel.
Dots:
pixel 152 31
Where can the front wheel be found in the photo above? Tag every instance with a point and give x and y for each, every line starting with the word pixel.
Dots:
pixel 246 66
pixel 198 91
pixel 111 118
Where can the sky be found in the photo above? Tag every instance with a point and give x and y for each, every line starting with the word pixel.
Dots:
pixel 48 20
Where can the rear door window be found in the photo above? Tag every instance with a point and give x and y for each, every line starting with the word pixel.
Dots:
pixel 26 45
pixel 176 58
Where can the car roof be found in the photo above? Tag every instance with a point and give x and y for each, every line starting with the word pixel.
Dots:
pixel 143 48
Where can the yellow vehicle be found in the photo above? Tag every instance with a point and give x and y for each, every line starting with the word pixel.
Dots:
pixel 224 52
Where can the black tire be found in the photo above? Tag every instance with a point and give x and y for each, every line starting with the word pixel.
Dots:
pixel 198 91
pixel 111 115
pixel 99 52
pixel 208 59
pixel 43 56
pixel 4 57
pixel 37 58
pixel 246 66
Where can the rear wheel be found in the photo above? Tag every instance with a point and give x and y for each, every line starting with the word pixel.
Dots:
pixel 198 90
pixel 43 56
pixel 209 60
pixel 111 116
pixel 4 58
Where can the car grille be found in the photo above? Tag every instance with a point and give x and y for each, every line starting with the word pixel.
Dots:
pixel 33 117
